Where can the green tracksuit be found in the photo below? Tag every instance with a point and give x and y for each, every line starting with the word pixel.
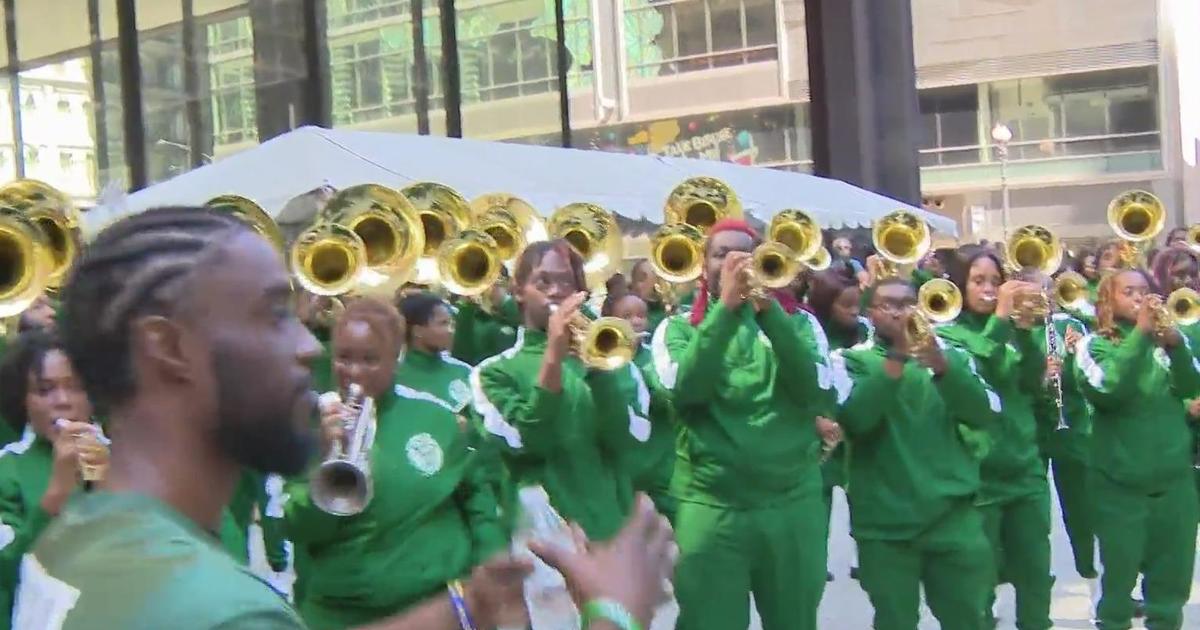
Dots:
pixel 1142 479
pixel 25 467
pixel 431 520
pixel 439 375
pixel 8 431
pixel 746 389
pixel 648 453
pixel 833 470
pixel 1192 332
pixel 322 367
pixel 567 441
pixel 656 312
pixel 914 482
pixel 1014 496
pixel 1068 451
pixel 479 334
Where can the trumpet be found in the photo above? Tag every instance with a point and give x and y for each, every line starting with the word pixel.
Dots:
pixel 342 484
pixel 1034 247
pixel 92 447
pixel 677 256
pixel 938 301
pixel 798 230
pixel 1070 291
pixel 468 264
pixel 607 343
pixel 1182 308
pixel 773 265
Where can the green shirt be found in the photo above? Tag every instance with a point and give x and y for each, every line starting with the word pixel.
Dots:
pixel 25 467
pixel 567 441
pixel 439 375
pixel 648 454
pixel 430 519
pixel 129 561
pixel 1140 436
pixel 1009 362
pixel 478 334
pixel 746 389
pixel 910 466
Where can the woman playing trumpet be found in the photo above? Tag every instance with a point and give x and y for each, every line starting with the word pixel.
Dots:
pixel 430 519
pixel 1136 370
pixel 40 390
pixel 1014 496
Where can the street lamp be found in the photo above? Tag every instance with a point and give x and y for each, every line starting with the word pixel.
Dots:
pixel 1001 134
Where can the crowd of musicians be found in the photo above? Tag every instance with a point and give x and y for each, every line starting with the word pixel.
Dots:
pixel 736 376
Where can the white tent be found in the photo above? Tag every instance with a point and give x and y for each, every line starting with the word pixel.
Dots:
pixel 633 186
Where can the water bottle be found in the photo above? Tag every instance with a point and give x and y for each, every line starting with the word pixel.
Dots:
pixel 546 595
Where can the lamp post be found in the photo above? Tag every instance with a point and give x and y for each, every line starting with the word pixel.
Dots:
pixel 1001 134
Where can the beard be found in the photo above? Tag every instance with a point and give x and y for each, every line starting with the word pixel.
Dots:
pixel 255 427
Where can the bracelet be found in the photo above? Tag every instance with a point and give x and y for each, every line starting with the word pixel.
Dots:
pixel 458 601
pixel 611 611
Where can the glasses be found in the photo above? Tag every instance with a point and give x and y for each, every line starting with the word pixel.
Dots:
pixel 894 307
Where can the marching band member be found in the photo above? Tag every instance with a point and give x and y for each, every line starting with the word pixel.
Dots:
pixel 643 282
pixel 487 325
pixel 558 424
pixel 913 478
pixel 39 315
pixel 1066 449
pixel 746 381
pixel 835 299
pixel 650 462
pixel 431 519
pixel 38 387
pixel 427 366
pixel 1136 376
pixel 1014 496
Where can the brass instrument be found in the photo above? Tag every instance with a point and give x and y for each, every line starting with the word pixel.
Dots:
pixel 701 202
pixel 1192 239
pixel 607 343
pixel 342 484
pixel 510 221
pixel 54 214
pixel 467 264
pixel 1071 291
pixel 591 231
pixel 938 301
pixel 252 215
pixel 901 238
pixel 26 262
pixel 773 265
pixel 366 238
pixel 798 230
pixel 1034 247
pixel 1183 307
pixel 1137 217
pixel 92 450
pixel 820 261
pixel 443 214
pixel 677 252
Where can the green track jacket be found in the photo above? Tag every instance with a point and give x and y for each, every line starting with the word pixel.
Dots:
pixel 568 442
pixel 910 466
pixel 431 518
pixel 1140 438
pixel 746 388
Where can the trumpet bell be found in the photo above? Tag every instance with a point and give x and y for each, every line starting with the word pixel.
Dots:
pixel 251 214
pixel 468 264
pixel 901 237
pixel 608 344
pixel 939 301
pixel 798 230
pixel 701 202
pixel 25 262
pixel 1183 305
pixel 1070 290
pixel 328 259
pixel 677 252
pixel 819 261
pixel 1034 247
pixel 1137 216
pixel 593 232
pixel 773 265
pixel 443 214
pixel 341 488
pixel 386 223
pixel 55 216
pixel 510 221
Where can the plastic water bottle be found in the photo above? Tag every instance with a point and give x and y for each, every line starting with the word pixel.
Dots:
pixel 546 595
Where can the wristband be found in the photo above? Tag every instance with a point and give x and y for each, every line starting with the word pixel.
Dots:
pixel 610 611
pixel 458 601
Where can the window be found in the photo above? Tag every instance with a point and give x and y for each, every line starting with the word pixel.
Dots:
pixel 66 160
pixel 673 36
pixel 949 124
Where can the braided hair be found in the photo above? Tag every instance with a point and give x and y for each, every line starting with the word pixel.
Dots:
pixel 1106 319
pixel 138 266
